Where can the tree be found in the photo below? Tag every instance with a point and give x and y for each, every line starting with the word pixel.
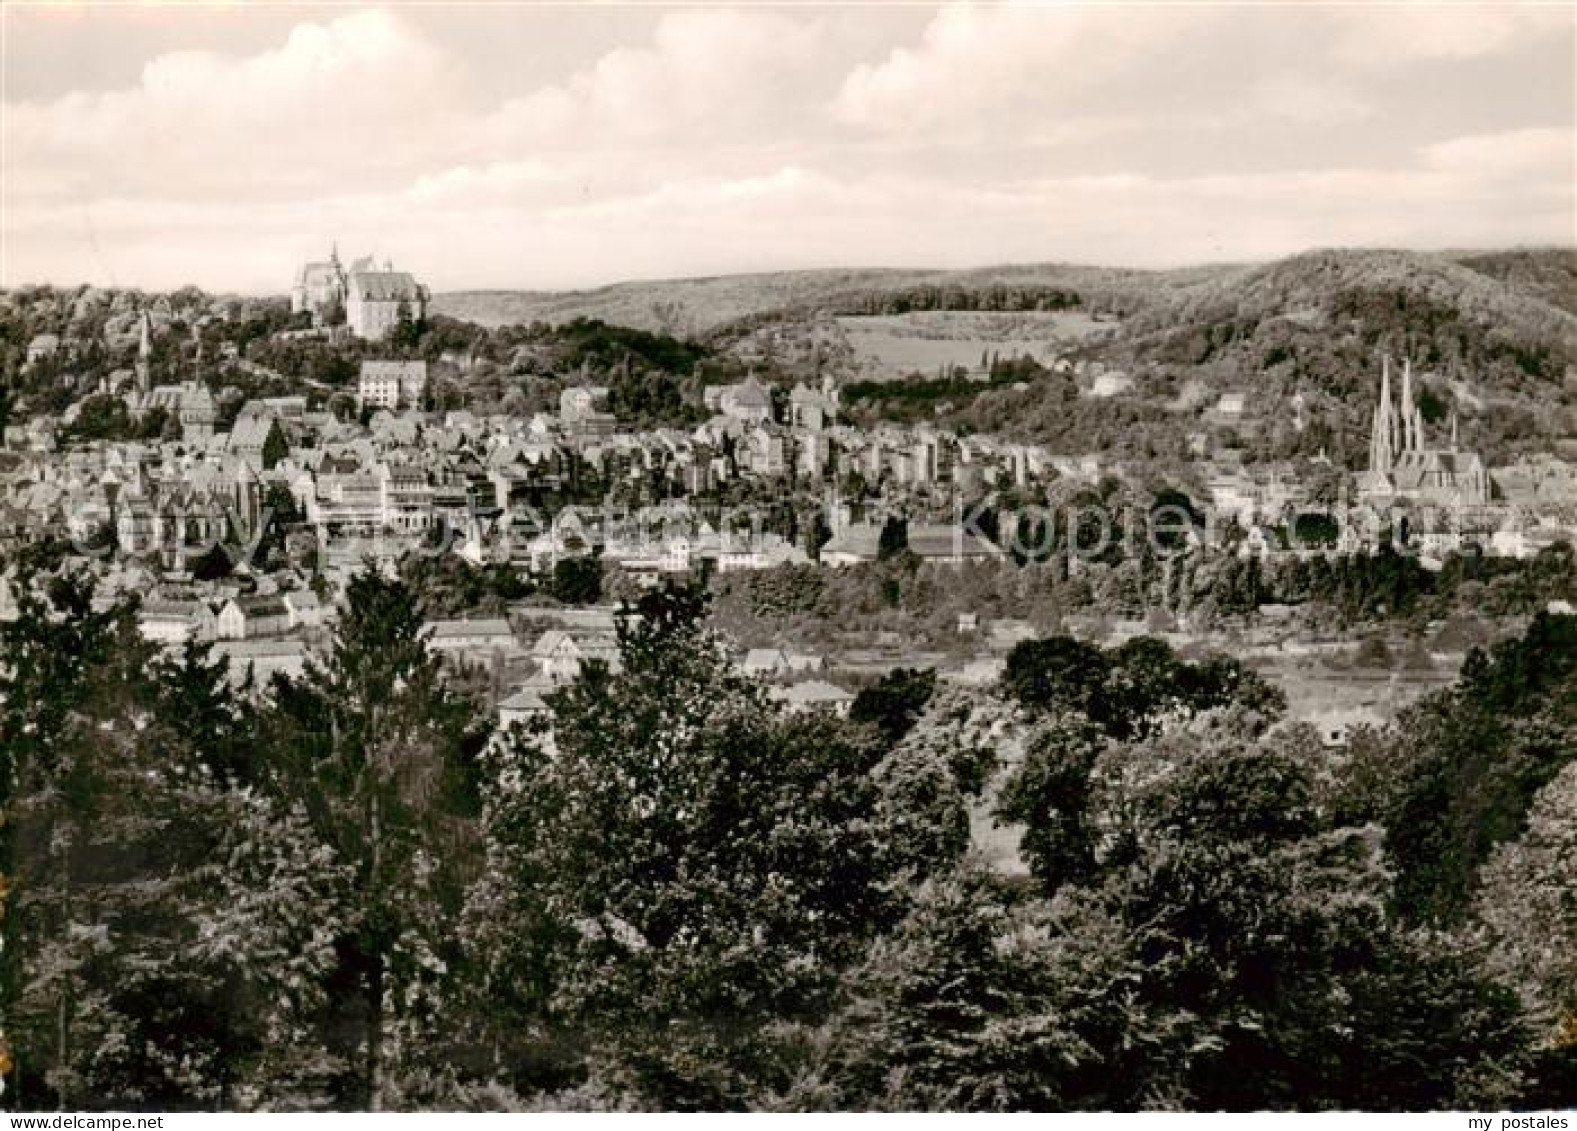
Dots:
pixel 709 863
pixel 895 702
pixel 1057 673
pixel 576 581
pixel 213 565
pixel 1458 775
pixel 1049 793
pixel 1527 900
pixel 1262 936
pixel 382 758
pixel 963 1007
pixel 894 539
pixel 275 446
pixel 128 831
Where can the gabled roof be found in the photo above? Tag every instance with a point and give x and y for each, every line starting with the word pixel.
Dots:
pixel 251 431
pixel 948 542
pixel 526 699
pixel 269 606
pixel 468 629
pixel 384 286
pixel 860 541
pixel 749 394
pixel 397 370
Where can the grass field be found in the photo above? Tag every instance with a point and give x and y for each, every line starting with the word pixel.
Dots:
pixel 896 345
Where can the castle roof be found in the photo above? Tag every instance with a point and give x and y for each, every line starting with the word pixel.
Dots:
pixel 384 286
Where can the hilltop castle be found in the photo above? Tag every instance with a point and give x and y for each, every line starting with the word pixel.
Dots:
pixel 375 300
pixel 1402 468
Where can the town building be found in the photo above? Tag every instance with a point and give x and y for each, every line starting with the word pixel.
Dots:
pixel 247 618
pixel 42 347
pixel 391 384
pixel 473 640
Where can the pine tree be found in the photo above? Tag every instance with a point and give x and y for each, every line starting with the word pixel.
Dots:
pixel 382 757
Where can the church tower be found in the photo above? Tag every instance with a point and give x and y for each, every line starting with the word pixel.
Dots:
pixel 1383 435
pixel 1412 418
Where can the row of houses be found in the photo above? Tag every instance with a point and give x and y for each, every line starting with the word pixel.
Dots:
pixel 175 622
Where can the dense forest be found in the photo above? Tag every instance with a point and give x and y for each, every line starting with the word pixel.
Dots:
pixel 347 890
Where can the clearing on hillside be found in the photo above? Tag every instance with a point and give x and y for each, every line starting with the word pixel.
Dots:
pixel 888 346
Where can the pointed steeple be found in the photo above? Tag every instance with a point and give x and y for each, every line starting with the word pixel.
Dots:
pixel 1382 437
pixel 1409 413
pixel 1454 442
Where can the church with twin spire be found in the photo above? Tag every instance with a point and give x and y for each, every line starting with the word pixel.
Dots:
pixel 1405 468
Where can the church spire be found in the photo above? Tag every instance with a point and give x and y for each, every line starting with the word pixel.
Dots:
pixel 1382 437
pixel 1410 439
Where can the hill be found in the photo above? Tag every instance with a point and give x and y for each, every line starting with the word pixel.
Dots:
pixel 699 306
pixel 1492 339
pixel 1492 336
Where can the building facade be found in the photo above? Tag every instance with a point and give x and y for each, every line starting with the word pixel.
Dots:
pixel 377 300
pixel 392 384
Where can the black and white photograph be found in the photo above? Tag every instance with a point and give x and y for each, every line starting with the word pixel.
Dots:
pixel 788 558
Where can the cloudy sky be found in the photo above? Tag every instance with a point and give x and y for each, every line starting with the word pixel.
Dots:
pixel 516 146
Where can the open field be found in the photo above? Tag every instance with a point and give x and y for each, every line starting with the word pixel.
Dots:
pixel 896 345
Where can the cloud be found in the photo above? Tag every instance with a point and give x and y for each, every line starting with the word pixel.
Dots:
pixel 1295 97
pixel 720 140
pixel 1028 68
pixel 1388 35
pixel 341 101
pixel 706 75
pixel 1514 155
pixel 975 61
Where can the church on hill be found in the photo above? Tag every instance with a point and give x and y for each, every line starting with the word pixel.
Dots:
pixel 1403 467
pixel 190 402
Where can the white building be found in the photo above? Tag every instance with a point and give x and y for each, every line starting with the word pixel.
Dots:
pixel 175 622
pixel 247 618
pixel 261 660
pixel 470 639
pixel 41 347
pixel 391 384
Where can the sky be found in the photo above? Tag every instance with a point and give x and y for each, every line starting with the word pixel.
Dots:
pixel 492 145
